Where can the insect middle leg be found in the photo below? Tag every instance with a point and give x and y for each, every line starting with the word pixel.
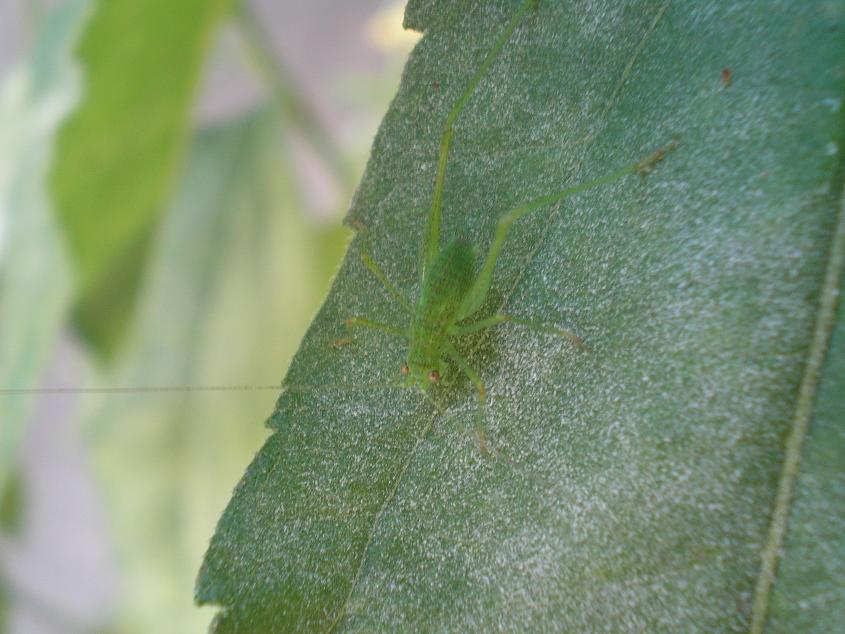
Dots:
pixel 495 320
pixel 373 268
pixel 374 325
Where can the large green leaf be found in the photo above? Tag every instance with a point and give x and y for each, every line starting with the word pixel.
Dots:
pixel 810 593
pixel 117 154
pixel 629 488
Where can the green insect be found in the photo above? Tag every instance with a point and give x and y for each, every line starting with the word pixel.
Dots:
pixel 451 292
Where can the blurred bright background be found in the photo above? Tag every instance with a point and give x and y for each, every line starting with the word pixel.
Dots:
pixel 108 496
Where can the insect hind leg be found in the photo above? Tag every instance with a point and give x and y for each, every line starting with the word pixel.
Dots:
pixel 477 294
pixel 431 245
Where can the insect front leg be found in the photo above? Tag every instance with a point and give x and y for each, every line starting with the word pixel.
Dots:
pixel 482 394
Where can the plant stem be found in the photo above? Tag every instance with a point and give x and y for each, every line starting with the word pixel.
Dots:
pixel 289 99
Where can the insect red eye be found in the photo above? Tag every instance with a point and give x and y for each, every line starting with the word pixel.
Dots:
pixel 404 369
pixel 434 376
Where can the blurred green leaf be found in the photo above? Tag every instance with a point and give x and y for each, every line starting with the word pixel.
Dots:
pixel 11 504
pixel 11 507
pixel 35 285
pixel 4 607
pixel 117 155
pixel 631 487
pixel 235 278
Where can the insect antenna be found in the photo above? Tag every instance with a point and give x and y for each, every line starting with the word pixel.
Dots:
pixel 135 389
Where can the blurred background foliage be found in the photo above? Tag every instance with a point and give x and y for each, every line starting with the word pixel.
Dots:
pixel 172 179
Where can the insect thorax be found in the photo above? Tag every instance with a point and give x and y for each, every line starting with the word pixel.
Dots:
pixel 447 282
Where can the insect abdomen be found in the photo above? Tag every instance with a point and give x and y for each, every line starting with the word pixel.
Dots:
pixel 446 284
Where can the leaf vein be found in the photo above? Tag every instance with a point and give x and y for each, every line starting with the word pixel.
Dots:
pixel 377 519
pixel 800 424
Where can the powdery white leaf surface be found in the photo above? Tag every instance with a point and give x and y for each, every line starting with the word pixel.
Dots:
pixel 629 488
